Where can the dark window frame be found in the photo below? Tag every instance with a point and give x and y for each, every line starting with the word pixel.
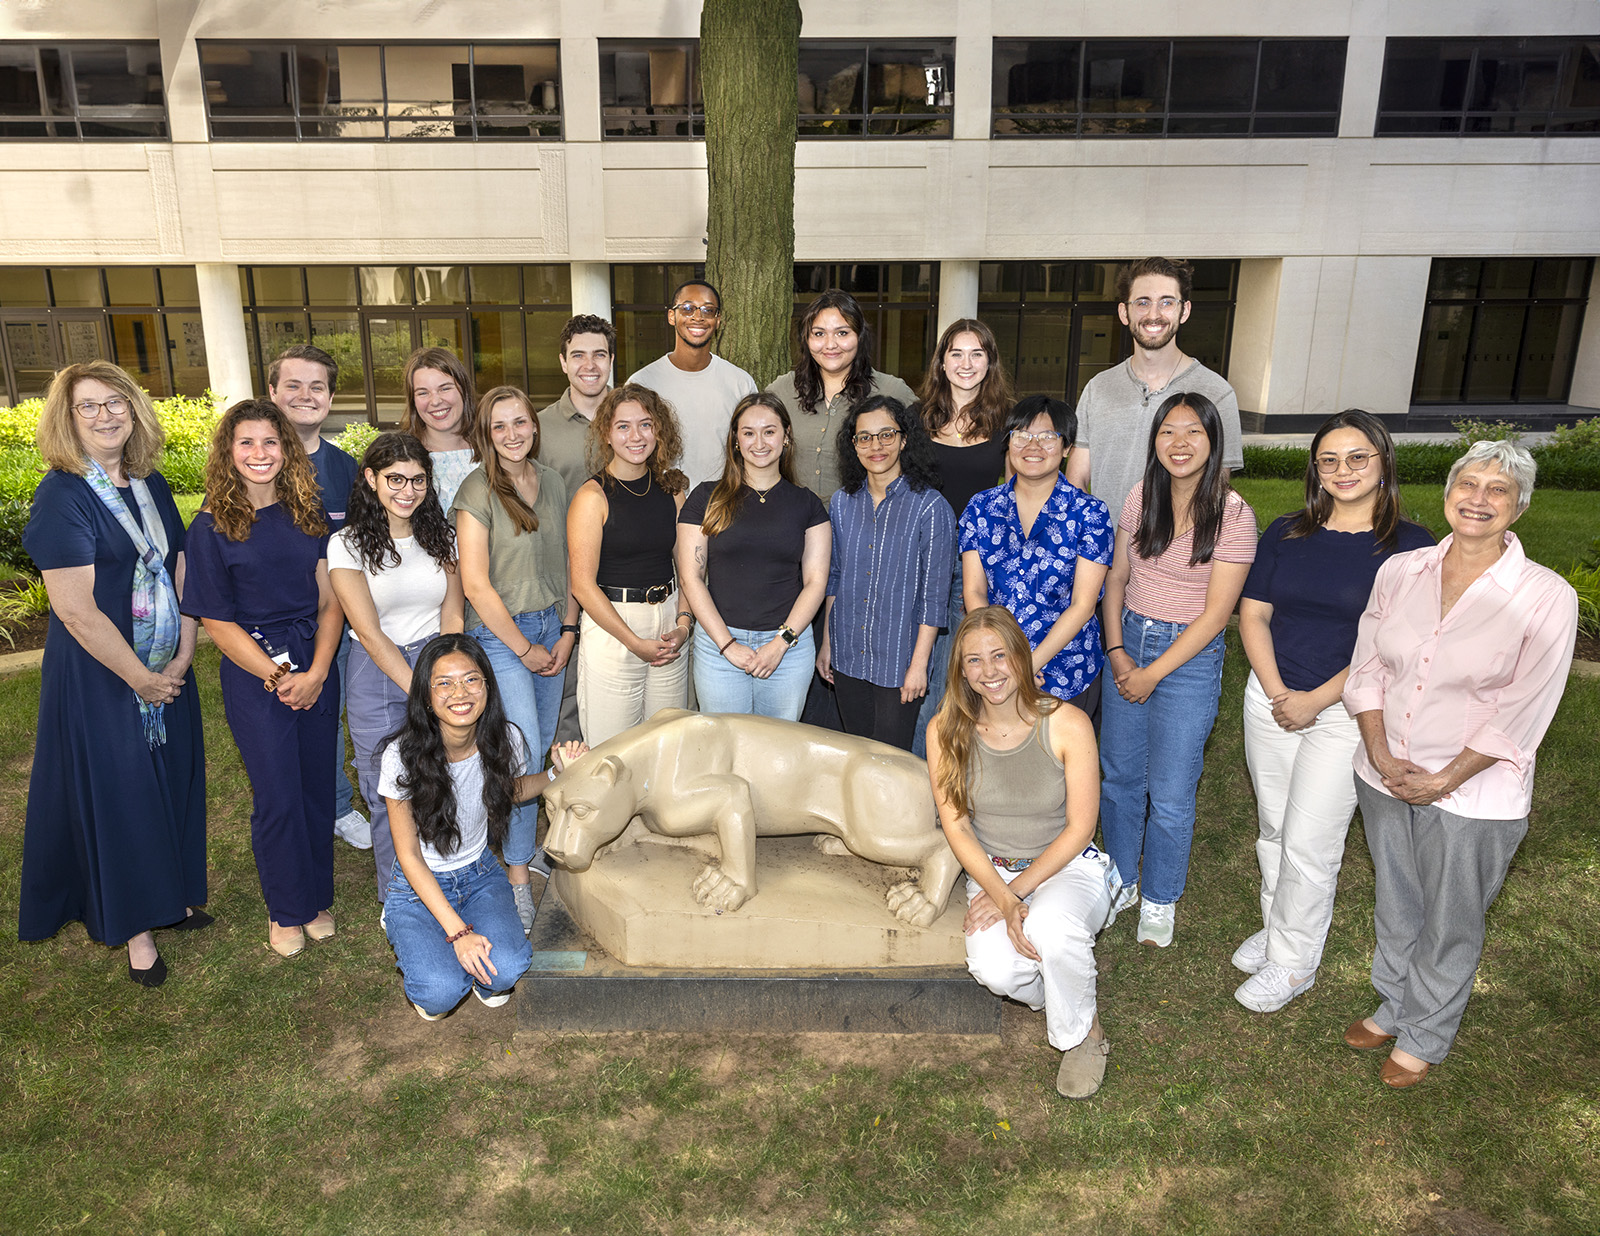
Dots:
pixel 1458 122
pixel 79 113
pixel 299 118
pixel 644 120
pixel 1256 121
pixel 860 122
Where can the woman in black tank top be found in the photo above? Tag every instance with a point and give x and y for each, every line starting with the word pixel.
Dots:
pixel 1017 782
pixel 621 529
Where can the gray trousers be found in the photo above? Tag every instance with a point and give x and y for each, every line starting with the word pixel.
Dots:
pixel 1436 876
pixel 376 708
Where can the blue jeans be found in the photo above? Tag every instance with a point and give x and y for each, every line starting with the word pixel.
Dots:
pixel 723 687
pixel 1151 755
pixel 533 703
pixel 342 802
pixel 481 895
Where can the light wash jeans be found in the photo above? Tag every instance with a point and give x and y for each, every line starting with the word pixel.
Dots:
pixel 481 894
pixel 724 687
pixel 343 803
pixel 376 708
pixel 533 704
pixel 1151 755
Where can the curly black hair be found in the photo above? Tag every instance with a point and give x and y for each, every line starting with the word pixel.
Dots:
pixel 917 462
pixel 368 523
pixel 425 775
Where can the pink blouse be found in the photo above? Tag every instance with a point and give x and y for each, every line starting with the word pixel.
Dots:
pixel 1166 587
pixel 1487 676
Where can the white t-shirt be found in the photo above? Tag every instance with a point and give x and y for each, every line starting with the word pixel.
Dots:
pixel 407 597
pixel 704 404
pixel 471 815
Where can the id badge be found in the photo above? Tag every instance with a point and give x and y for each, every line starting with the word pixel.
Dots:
pixel 279 656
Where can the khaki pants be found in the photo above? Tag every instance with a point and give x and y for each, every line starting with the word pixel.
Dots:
pixel 616 690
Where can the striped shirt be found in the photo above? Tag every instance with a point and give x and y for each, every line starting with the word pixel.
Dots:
pixel 890 574
pixel 1166 587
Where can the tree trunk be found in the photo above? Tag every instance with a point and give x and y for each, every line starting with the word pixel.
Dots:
pixel 749 64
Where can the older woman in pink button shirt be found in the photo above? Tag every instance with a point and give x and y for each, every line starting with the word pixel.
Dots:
pixel 1460 661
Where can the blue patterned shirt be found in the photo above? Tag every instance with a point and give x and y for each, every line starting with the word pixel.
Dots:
pixel 1032 575
pixel 889 575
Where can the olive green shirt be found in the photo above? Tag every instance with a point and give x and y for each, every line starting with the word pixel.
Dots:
pixel 527 569
pixel 816 458
pixel 563 438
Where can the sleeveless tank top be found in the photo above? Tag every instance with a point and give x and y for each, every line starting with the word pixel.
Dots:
pixel 639 535
pixel 1018 797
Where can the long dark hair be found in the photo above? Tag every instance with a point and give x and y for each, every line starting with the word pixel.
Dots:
pixel 917 463
pixel 425 768
pixel 368 523
pixel 729 496
pixel 1210 498
pixel 1386 518
pixel 808 374
pixel 994 399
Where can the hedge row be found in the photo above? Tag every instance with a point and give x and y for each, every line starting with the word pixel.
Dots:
pixel 1428 463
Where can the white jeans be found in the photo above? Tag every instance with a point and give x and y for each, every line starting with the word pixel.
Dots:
pixel 1305 797
pixel 616 690
pixel 1065 913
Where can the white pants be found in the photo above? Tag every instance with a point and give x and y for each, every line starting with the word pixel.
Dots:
pixel 1305 796
pixel 1065 913
pixel 616 690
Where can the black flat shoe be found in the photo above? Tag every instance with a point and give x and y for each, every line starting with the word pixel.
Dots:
pixel 190 922
pixel 154 976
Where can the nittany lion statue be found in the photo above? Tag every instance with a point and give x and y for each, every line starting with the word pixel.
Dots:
pixel 739 777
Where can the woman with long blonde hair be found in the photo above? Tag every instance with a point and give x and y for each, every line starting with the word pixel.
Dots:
pixel 1017 783
pixel 258 580
pixel 511 533
pixel 753 553
pixel 621 531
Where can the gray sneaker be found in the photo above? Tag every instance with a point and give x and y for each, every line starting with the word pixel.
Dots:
pixel 1155 923
pixel 522 894
pixel 1083 1068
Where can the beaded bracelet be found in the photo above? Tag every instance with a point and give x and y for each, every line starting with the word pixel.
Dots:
pixel 465 931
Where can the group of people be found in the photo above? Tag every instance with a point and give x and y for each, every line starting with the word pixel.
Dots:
pixel 939 570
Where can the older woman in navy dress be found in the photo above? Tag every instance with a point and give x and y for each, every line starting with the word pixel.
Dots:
pixel 258 578
pixel 116 826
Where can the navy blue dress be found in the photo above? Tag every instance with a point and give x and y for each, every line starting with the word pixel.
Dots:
pixel 268 585
pixel 116 832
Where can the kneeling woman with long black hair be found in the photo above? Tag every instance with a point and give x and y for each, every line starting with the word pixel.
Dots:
pixel 450 777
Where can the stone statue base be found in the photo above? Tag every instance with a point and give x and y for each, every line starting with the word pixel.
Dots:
pixel 815 910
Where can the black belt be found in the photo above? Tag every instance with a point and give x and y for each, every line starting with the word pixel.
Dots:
pixel 653 595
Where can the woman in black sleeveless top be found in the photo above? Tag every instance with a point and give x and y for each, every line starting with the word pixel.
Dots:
pixel 621 530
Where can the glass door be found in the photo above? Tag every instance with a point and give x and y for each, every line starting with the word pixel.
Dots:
pixel 1099 341
pixel 30 357
pixel 388 339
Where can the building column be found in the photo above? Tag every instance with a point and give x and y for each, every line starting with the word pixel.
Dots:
pixel 591 288
pixel 958 291
pixel 1585 389
pixel 222 322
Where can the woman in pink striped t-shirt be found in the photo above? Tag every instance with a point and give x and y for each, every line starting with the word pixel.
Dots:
pixel 1185 542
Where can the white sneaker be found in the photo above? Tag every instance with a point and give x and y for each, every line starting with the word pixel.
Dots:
pixel 491 1002
pixel 1272 987
pixel 1250 956
pixel 522 894
pixel 423 1013
pixel 1155 923
pixel 354 829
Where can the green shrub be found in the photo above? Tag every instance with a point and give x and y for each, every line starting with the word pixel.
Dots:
pixel 355 438
pixel 1486 431
pixel 17 424
pixel 1585 580
pixel 1584 436
pixel 1571 465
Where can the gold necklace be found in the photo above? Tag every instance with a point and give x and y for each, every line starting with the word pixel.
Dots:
pixel 636 493
pixel 762 493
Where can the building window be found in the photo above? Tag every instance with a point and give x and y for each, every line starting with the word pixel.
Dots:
pixel 144 318
pixel 82 91
pixel 1167 87
pixel 387 92
pixel 1057 322
pixel 508 319
pixel 1500 87
pixel 899 299
pixel 877 89
pixel 651 88
pixel 1501 330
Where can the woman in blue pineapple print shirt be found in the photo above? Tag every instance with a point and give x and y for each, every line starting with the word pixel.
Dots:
pixel 1041 547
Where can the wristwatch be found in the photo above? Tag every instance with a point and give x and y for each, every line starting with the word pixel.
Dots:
pixel 789 637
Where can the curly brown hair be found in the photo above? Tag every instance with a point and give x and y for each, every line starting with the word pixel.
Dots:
pixel 296 483
pixel 669 438
pixel 57 434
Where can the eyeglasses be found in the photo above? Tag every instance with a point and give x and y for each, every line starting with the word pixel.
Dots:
pixel 1356 461
pixel 884 437
pixel 708 312
pixel 1166 304
pixel 473 684
pixel 396 482
pixel 1048 438
pixel 90 409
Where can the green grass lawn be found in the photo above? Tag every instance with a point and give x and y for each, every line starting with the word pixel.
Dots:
pixel 255 1095
pixel 1557 529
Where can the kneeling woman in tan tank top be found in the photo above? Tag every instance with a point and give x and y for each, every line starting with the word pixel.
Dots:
pixel 1017 781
